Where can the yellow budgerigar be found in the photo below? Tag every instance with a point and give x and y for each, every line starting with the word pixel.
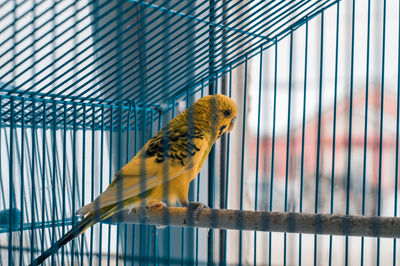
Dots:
pixel 163 169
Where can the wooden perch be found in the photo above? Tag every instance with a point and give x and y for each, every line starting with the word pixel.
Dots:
pixel 307 223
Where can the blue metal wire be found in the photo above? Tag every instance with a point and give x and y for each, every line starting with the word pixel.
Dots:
pixel 271 189
pixel 257 151
pixel 64 175
pixel 101 180
pixel 54 177
pixel 156 233
pixel 227 167
pixel 143 252
pixel 210 57
pixel 119 88
pixel 127 157
pixel 188 103
pixel 27 226
pixel 381 126
pixel 143 76
pixel 366 125
pixel 22 176
pixel 288 140
pixel 11 185
pixel 2 190
pixel 198 199
pixel 396 177
pixel 92 184
pixel 303 136
pixel 150 228
pixel 3 18
pixel 350 130
pixel 83 174
pixel 242 158
pixel 168 238
pixel 136 144
pixel 74 177
pixel 317 171
pixel 334 128
pixel 35 29
pixel 11 166
pixel 54 150
pixel 201 20
pixel 110 179
pixel 43 169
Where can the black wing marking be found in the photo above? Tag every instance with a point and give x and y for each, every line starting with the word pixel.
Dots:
pixel 175 144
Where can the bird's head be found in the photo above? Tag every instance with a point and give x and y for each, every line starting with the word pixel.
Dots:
pixel 215 114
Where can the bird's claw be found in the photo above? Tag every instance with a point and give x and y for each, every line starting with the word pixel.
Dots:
pixel 158 205
pixel 195 208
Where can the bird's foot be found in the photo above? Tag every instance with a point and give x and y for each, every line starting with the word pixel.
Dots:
pixel 133 210
pixel 158 205
pixel 195 208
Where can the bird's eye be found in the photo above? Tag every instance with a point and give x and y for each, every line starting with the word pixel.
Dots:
pixel 227 113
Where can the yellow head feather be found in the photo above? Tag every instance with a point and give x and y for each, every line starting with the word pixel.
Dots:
pixel 213 114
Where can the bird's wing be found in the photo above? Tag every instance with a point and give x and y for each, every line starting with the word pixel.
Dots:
pixel 166 156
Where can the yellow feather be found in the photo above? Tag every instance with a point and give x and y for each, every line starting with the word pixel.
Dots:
pixel 186 140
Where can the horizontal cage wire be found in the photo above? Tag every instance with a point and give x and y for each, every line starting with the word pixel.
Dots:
pixel 308 175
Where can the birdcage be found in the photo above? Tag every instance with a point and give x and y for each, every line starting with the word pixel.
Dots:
pixel 304 178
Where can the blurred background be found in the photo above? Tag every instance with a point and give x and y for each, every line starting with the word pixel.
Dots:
pixel 338 143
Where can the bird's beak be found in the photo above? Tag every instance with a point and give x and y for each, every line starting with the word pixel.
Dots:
pixel 232 124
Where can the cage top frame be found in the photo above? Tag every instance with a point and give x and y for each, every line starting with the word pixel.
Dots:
pixel 223 34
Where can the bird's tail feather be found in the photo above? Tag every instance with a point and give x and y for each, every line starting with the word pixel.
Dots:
pixel 85 209
pixel 81 227
pixel 87 222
